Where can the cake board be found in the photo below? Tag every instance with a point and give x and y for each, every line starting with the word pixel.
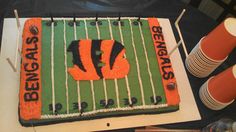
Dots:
pixel 9 81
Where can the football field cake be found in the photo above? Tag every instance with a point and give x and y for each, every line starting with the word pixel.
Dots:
pixel 83 69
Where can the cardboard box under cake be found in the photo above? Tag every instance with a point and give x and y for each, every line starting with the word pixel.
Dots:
pixel 10 83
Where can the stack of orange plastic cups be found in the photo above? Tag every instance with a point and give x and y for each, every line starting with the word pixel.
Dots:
pixel 219 91
pixel 213 49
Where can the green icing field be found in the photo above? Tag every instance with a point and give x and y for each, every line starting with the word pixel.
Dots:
pixel 85 86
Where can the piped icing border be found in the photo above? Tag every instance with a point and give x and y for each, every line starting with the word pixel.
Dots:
pixel 140 107
pixel 30 81
pixel 164 62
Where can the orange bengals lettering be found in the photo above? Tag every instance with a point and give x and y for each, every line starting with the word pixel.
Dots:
pixel 96 59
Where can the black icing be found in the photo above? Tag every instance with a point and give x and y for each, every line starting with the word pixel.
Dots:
pixel 126 101
pixel 50 107
pixel 58 107
pixel 158 99
pixel 110 102
pixel 96 46
pixel 135 23
pixel 116 49
pixel 171 86
pixel 84 105
pixel 94 23
pixel 34 30
pixel 30 123
pixel 74 45
pixel 75 106
pixel 49 23
pixel 116 23
pixel 134 100
pixel 71 23
pixel 103 103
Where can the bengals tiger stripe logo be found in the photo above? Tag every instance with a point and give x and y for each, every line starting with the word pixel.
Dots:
pixel 97 59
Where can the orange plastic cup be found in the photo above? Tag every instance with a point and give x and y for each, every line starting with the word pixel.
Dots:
pixel 221 41
pixel 223 86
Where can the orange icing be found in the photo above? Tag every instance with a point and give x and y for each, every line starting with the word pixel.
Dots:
pixel 121 65
pixel 172 96
pixel 90 74
pixel 30 91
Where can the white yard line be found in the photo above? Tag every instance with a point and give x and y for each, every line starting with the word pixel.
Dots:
pixel 98 31
pixel 137 63
pixel 126 78
pixel 109 23
pixel 104 81
pixel 75 31
pixel 93 94
pixel 52 67
pixel 148 64
pixel 79 98
pixel 94 111
pixel 77 82
pixel 91 81
pixel 115 80
pixel 105 90
pixel 86 29
pixel 66 83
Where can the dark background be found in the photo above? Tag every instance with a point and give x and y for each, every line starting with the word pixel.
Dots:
pixel 194 25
